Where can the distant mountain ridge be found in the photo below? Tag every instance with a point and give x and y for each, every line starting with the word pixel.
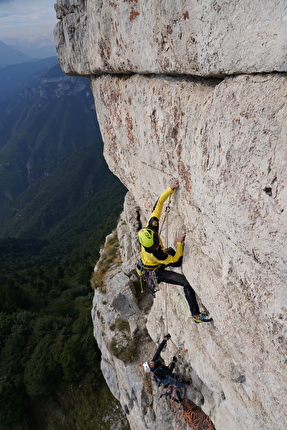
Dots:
pixel 41 125
pixel 12 77
pixel 9 56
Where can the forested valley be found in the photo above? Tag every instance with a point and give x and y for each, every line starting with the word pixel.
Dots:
pixel 53 223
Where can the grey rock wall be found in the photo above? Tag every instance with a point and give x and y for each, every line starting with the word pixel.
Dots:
pixel 169 104
pixel 198 37
pixel 225 140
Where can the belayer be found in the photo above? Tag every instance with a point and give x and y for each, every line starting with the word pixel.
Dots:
pixel 155 258
pixel 162 373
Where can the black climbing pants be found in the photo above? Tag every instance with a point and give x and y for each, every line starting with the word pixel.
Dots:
pixel 174 278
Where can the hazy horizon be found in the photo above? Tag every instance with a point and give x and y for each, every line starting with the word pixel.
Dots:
pixel 28 26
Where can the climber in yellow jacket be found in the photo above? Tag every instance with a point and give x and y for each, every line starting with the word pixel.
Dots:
pixel 155 258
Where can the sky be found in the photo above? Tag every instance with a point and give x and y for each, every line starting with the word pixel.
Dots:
pixel 28 25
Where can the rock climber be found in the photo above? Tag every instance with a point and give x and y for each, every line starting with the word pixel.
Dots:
pixel 155 258
pixel 162 373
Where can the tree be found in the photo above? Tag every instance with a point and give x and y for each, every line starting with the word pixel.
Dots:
pixel 42 374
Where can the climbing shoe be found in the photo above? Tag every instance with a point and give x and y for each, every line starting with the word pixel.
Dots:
pixel 202 317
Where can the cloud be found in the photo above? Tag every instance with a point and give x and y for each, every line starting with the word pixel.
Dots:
pixel 26 23
pixel 32 17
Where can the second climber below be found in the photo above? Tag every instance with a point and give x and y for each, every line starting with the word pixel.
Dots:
pixel 156 258
pixel 163 374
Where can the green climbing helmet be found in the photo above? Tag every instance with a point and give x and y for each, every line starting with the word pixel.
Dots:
pixel 148 238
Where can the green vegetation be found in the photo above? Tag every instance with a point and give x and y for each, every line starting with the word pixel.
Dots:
pixel 123 346
pixel 46 334
pixel 124 352
pixel 46 340
pixel 81 408
pixel 74 208
pixel 45 313
pixel 110 256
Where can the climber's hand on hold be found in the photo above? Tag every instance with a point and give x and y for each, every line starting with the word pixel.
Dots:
pixel 175 184
pixel 181 237
pixel 167 336
pixel 174 359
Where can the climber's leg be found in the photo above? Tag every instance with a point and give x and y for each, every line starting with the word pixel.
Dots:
pixel 178 279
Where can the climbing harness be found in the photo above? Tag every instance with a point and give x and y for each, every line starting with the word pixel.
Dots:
pixel 150 278
pixel 173 393
pixel 157 380
pixel 147 274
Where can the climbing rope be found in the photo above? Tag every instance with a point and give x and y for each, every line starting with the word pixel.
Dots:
pixel 167 209
pixel 165 220
pixel 195 418
pixel 165 284
pixel 192 415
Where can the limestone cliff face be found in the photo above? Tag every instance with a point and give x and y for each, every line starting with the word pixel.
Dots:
pixel 198 37
pixel 224 137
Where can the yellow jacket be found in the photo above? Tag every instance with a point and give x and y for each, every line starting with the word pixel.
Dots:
pixel 159 256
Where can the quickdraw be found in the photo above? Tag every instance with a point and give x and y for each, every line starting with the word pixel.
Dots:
pixel 181 352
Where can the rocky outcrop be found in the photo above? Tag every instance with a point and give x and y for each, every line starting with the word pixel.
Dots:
pixel 224 137
pixel 194 37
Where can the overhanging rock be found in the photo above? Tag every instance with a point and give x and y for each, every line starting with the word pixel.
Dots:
pixel 192 37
